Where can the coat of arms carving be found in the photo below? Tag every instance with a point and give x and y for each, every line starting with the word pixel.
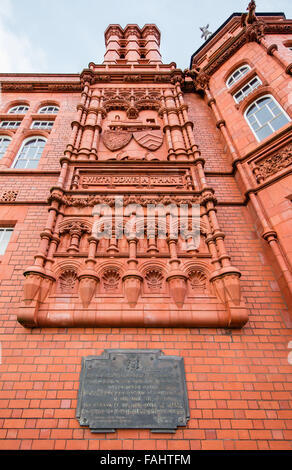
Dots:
pixel 115 140
pixel 150 139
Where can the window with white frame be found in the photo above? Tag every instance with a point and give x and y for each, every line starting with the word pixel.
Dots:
pixel 265 116
pixel 42 125
pixel 20 109
pixel 247 89
pixel 49 110
pixel 4 142
pixel 10 124
pixel 237 75
pixel 5 235
pixel 30 153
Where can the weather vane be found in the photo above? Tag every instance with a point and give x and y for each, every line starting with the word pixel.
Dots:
pixel 205 32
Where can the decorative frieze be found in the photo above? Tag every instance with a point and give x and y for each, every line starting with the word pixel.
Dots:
pixel 272 164
pixel 137 199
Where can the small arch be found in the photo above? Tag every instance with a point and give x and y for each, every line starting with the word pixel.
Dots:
pixel 49 109
pixel 67 222
pixel 236 65
pixel 6 132
pixel 66 264
pixel 18 109
pixel 237 74
pixel 43 103
pixel 103 267
pixel 144 267
pixel 13 103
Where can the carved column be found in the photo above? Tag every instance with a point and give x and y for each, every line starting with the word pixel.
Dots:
pixel 187 123
pixel 166 129
pixel 272 50
pixel 176 278
pixel 88 278
pixel 132 35
pixel 174 126
pixel 132 278
pixel 151 36
pixel 112 36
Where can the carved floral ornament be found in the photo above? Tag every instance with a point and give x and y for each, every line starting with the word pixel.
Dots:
pixel 272 164
pixel 137 199
pixel 74 227
pixel 67 281
pixel 131 101
pixel 154 279
pixel 111 279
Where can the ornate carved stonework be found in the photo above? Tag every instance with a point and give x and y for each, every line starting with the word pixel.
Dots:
pixel 109 268
pixel 150 139
pixel 67 281
pixel 43 86
pixel 273 163
pixel 198 281
pixel 137 199
pixel 154 279
pixel 111 279
pixel 115 140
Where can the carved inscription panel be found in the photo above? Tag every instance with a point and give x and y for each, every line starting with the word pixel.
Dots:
pixel 132 389
pixel 88 181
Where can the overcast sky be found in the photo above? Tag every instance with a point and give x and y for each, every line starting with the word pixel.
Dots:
pixel 63 36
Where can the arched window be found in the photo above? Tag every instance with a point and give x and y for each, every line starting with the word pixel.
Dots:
pixel 19 109
pixel 265 116
pixel 4 142
pixel 237 74
pixel 49 110
pixel 30 153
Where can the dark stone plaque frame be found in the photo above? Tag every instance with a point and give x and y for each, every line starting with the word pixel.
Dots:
pixel 132 389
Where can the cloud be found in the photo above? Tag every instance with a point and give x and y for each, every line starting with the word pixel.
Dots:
pixel 17 53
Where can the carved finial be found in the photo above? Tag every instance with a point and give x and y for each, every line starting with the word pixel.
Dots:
pixel 205 32
pixel 250 17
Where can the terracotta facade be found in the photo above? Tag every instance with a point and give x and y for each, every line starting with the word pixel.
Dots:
pixel 137 128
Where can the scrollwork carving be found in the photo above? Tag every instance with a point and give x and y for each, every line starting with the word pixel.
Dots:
pixel 273 164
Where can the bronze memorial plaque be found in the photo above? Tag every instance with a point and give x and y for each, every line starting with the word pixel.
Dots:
pixel 132 388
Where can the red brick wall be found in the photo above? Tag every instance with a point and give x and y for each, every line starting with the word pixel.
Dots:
pixel 238 382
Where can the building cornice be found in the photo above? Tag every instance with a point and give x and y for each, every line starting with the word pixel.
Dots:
pixel 252 33
pixel 229 24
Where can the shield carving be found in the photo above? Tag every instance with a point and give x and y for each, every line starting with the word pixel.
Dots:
pixel 150 139
pixel 115 140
